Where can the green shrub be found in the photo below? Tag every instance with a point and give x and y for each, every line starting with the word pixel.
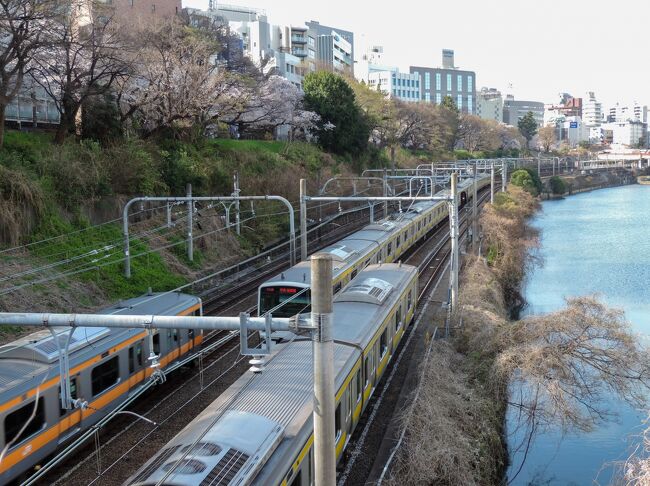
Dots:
pixel 557 185
pixel 523 179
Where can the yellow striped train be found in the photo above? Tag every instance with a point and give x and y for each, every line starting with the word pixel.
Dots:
pixel 260 430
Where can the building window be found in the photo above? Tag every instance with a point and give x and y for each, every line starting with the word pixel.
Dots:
pixel 22 417
pixel 449 82
pixel 438 98
pixel 438 82
pixel 470 105
pixel 459 102
pixel 470 84
pixel 427 80
pixel 105 375
pixel 427 97
pixel 459 81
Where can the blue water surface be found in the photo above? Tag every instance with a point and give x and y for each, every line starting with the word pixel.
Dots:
pixel 596 242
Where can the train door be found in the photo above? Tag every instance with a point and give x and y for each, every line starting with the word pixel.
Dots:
pixel 173 344
pixel 136 364
pixel 69 420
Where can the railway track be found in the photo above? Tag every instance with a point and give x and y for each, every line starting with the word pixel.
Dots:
pixel 365 449
pixel 170 406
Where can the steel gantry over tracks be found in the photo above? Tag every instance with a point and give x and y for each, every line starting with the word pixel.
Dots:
pixel 319 325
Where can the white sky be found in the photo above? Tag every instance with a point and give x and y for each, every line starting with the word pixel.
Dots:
pixel 540 47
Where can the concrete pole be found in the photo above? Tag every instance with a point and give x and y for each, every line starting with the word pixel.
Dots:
pixel 539 166
pixel 236 193
pixel 372 212
pixel 453 223
pixel 323 349
pixel 303 220
pixel 169 215
pixel 492 183
pixel 190 223
pixel 475 212
pixel 553 162
pixel 504 176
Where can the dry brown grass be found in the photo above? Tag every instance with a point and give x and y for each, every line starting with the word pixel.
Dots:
pixel 453 435
pixel 20 201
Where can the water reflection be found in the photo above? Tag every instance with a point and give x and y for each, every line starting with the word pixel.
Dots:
pixel 595 242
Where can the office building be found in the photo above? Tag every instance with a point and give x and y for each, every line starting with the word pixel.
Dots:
pixel 514 110
pixel 489 104
pixel 437 83
pixel 403 86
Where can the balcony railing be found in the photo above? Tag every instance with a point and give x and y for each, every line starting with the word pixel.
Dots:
pixel 299 52
pixel 299 39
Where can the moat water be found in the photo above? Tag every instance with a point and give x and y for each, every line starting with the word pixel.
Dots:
pixel 596 242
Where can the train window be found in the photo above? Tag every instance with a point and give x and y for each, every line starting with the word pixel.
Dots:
pixel 367 262
pixel 156 344
pixel 368 369
pixel 337 287
pixel 358 387
pixel 398 316
pixel 406 235
pixel 350 400
pixel 73 394
pixel 337 422
pixel 297 480
pixel 175 335
pixel 354 273
pixel 398 241
pixel 105 375
pixel 169 339
pixel 419 225
pixel 383 343
pixel 16 420
pixel 409 301
pixel 390 248
pixel 135 357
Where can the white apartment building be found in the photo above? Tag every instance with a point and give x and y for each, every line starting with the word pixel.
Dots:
pixel 628 133
pixel 403 86
pixel 622 113
pixel 292 51
pixel 592 110
pixel 489 104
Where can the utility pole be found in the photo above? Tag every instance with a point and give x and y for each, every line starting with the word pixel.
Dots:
pixel 323 349
pixel 303 220
pixel 453 223
pixel 475 212
pixel 236 194
pixel 539 166
pixel 504 176
pixel 492 183
pixel 190 223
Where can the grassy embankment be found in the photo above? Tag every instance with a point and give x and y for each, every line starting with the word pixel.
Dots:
pixel 47 191
pixel 455 432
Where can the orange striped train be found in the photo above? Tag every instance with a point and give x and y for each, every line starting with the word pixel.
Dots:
pixel 106 367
